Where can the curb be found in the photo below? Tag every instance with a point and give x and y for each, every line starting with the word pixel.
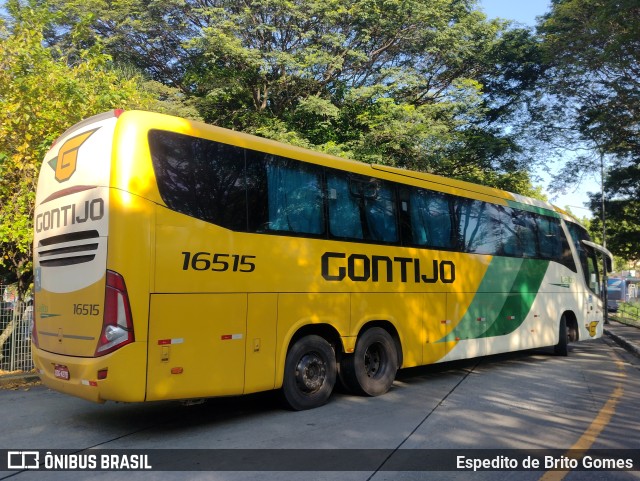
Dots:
pixel 18 379
pixel 623 342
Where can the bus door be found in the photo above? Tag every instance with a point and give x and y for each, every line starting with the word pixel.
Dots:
pixel 589 261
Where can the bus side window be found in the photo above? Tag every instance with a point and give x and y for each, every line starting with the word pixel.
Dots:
pixel 344 213
pixel 361 208
pixel 284 195
pixel 587 257
pixel 553 242
pixel 220 184
pixel 200 178
pixel 480 226
pixel 520 233
pixel 425 218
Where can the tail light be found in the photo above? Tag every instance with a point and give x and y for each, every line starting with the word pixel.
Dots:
pixel 117 324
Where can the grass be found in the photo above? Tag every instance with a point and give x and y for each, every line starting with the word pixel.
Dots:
pixel 628 313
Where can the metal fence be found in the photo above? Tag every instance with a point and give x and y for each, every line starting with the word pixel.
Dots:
pixel 16 321
pixel 630 310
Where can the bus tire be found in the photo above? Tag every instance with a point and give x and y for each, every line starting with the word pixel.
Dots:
pixel 562 348
pixel 372 368
pixel 309 373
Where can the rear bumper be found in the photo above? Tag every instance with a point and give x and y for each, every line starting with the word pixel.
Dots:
pixel 125 381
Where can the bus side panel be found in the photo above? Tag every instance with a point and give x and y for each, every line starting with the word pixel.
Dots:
pixel 131 252
pixel 298 310
pixel 470 321
pixel 196 345
pixel 437 326
pixel 262 318
pixel 543 320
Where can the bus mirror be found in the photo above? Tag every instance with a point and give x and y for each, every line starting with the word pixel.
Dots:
pixel 608 256
pixel 608 264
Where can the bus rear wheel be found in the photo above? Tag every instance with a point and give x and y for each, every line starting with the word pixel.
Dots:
pixel 372 368
pixel 309 373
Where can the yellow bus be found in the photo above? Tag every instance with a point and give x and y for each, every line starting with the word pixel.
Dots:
pixel 177 260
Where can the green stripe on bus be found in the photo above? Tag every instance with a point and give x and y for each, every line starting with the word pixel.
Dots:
pixel 532 208
pixel 503 300
pixel 520 299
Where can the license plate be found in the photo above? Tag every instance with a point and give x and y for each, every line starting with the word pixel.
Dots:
pixel 61 372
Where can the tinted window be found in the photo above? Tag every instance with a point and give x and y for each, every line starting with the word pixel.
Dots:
pixel 294 200
pixel 200 178
pixel 586 255
pixel 519 233
pixel 426 218
pixel 361 208
pixel 479 226
pixel 243 190
pixel 553 242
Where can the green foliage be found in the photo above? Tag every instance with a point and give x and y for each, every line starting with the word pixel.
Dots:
pixel 426 85
pixel 623 227
pixel 592 87
pixel 591 48
pixel 41 95
pixel 411 83
pixel 629 313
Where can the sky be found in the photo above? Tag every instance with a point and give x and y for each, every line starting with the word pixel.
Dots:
pixel 525 12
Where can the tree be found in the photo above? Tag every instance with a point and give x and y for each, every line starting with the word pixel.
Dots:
pixel 592 87
pixel 592 48
pixel 41 95
pixel 622 215
pixel 410 83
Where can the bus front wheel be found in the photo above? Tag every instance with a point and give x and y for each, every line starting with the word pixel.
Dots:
pixel 372 368
pixel 309 373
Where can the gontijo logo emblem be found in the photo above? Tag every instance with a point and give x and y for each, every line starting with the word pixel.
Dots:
pixel 66 162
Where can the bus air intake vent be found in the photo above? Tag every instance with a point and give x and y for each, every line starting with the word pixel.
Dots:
pixel 68 249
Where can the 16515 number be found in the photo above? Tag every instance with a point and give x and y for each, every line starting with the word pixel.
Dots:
pixel 86 309
pixel 205 261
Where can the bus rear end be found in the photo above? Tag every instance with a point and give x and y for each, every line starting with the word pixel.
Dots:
pixel 84 340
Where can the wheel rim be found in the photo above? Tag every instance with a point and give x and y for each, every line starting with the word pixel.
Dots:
pixel 373 360
pixel 311 372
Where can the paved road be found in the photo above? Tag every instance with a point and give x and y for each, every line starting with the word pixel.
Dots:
pixel 529 400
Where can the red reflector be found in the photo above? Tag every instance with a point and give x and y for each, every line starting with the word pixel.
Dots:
pixel 228 337
pixel 177 370
pixel 102 373
pixel 164 342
